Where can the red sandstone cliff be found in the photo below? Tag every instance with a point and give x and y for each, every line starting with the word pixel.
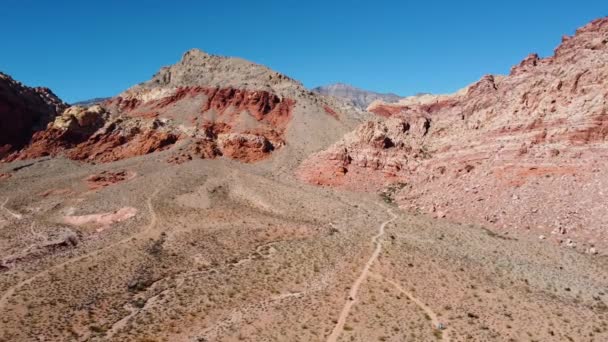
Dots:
pixel 224 106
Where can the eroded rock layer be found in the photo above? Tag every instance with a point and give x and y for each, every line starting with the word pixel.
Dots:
pixel 522 151
pixel 94 135
pixel 254 121
pixel 218 106
pixel 23 111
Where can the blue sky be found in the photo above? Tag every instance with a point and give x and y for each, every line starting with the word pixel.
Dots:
pixel 85 49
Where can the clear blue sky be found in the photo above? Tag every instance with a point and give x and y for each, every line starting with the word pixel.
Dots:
pixel 83 49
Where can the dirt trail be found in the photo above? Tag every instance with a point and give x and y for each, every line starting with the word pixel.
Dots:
pixel 434 319
pixel 153 218
pixel 354 289
pixel 133 311
pixel 13 214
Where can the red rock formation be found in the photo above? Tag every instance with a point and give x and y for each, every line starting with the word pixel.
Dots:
pixel 107 178
pixel 491 154
pixel 116 146
pixel 244 147
pixel 122 104
pixel 23 111
pixel 43 143
pixel 221 113
pixel 331 112
pixel 88 135
pixel 78 134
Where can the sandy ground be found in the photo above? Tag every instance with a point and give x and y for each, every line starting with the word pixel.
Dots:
pixel 219 251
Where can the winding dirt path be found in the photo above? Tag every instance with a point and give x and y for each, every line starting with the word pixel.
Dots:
pixel 13 214
pixel 354 289
pixel 11 291
pixel 434 318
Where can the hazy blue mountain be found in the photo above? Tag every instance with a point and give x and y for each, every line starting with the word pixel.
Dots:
pixel 359 97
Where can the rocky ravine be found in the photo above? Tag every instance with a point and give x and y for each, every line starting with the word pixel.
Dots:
pixel 214 106
pixel 523 151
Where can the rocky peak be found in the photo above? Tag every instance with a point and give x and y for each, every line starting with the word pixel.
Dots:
pixel 198 68
pixel 593 36
pixel 194 55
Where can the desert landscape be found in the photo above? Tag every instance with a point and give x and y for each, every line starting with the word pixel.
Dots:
pixel 224 201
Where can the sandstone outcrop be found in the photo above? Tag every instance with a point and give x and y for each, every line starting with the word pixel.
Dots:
pixel 92 134
pixel 24 111
pixel 538 135
pixel 215 106
pixel 200 95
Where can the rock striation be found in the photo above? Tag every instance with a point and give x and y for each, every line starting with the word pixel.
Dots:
pixel 521 151
pixel 233 107
pixel 213 106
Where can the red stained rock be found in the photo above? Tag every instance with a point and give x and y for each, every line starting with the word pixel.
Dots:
pixel 107 178
pixel 101 147
pixel 262 105
pixel 594 130
pixel 533 139
pixel 116 146
pixel 44 143
pixel 245 147
pixel 124 105
pixel 80 135
pixel 331 112
pixel 227 106
pixel 23 111
pixel 386 110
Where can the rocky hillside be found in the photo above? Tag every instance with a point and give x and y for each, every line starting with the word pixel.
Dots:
pixel 358 97
pixel 206 107
pixel 23 111
pixel 523 151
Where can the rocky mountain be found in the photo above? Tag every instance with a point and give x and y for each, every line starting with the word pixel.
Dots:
pixel 23 111
pixel 213 106
pixel 358 97
pixel 173 211
pixel 91 102
pixel 522 151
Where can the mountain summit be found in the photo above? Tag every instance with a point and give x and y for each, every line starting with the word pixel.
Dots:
pixel 214 106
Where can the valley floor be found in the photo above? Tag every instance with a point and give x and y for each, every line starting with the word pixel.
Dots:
pixel 219 251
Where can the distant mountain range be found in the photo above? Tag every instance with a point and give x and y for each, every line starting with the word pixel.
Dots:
pixel 90 102
pixel 359 97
